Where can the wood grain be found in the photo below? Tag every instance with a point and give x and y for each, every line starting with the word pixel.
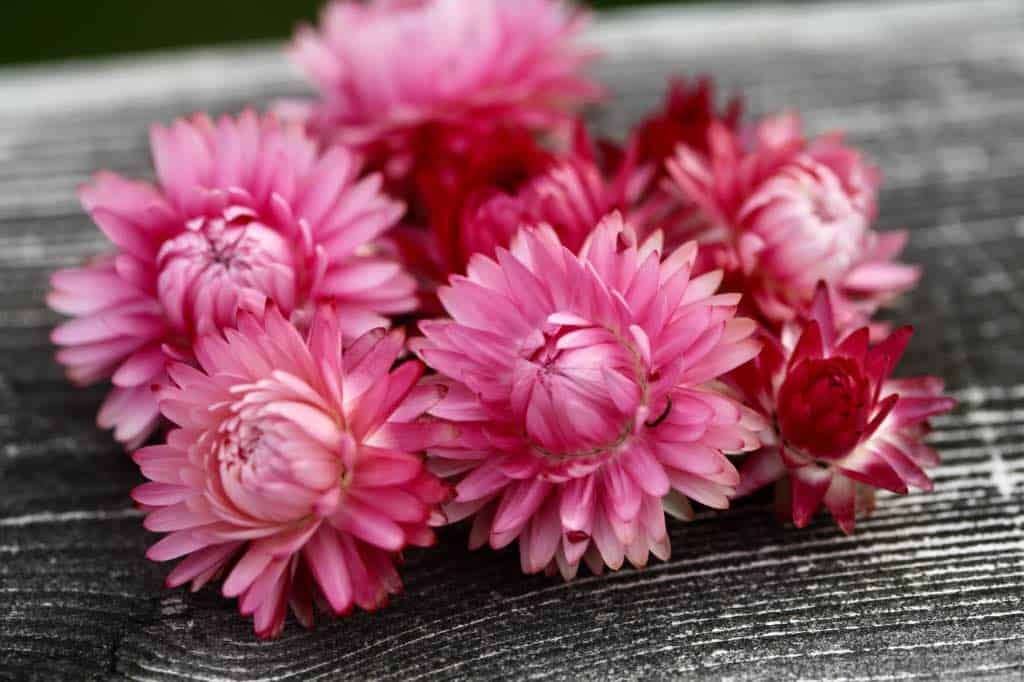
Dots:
pixel 931 587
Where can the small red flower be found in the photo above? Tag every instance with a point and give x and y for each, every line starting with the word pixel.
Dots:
pixel 685 118
pixel 470 200
pixel 841 426
pixel 474 201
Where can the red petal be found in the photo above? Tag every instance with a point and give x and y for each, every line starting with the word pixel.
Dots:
pixel 809 345
pixel 855 345
pixel 810 483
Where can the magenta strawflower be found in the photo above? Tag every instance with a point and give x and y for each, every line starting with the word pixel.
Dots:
pixel 583 388
pixel 294 471
pixel 388 69
pixel 245 211
pixel 841 426
pixel 783 213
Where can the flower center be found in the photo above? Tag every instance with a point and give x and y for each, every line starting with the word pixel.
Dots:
pixel 824 407
pixel 827 208
pixel 268 464
pixel 221 264
pixel 244 449
pixel 579 389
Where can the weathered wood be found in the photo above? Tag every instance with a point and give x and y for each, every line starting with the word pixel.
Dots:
pixel 932 586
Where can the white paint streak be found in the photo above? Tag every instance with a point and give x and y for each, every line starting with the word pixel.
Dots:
pixel 71 517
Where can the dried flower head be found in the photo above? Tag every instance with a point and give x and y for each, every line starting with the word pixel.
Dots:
pixel 841 425
pixel 388 69
pixel 783 213
pixel 582 383
pixel 245 211
pixel 293 471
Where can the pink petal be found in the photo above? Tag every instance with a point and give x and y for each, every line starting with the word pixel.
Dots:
pixel 248 568
pixel 327 564
pixel 759 469
pixel 520 501
pixel 841 502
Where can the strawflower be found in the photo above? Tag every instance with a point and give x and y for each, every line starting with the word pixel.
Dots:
pixel 476 202
pixel 583 386
pixel 293 472
pixel 781 213
pixel 389 70
pixel 245 210
pixel 841 426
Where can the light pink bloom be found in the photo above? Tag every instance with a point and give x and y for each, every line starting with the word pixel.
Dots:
pixel 784 213
pixel 386 69
pixel 588 379
pixel 841 426
pixel 245 210
pixel 293 470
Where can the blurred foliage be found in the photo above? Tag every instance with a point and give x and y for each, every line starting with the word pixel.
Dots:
pixel 39 30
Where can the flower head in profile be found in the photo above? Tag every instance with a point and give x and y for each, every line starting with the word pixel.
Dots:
pixel 842 427
pixel 293 472
pixel 245 211
pixel 582 384
pixel 783 213
pixel 388 69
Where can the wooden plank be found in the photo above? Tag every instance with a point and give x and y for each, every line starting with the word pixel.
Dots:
pixel 931 586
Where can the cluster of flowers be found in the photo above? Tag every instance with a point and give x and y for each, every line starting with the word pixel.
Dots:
pixel 594 327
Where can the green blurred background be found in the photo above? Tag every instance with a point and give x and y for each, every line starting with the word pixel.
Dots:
pixel 42 30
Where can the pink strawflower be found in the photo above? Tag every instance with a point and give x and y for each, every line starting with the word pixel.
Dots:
pixel 583 387
pixel 293 472
pixel 783 213
pixel 388 69
pixel 841 426
pixel 245 210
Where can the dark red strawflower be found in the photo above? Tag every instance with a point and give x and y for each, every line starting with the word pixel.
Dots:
pixel 842 427
pixel 688 119
pixel 459 191
pixel 475 200
pixel 685 118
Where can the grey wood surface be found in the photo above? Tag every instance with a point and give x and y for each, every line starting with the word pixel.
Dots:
pixel 931 587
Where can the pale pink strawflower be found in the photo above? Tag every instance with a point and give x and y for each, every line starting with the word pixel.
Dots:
pixel 294 471
pixel 386 69
pixel 783 212
pixel 583 388
pixel 245 210
pixel 842 427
